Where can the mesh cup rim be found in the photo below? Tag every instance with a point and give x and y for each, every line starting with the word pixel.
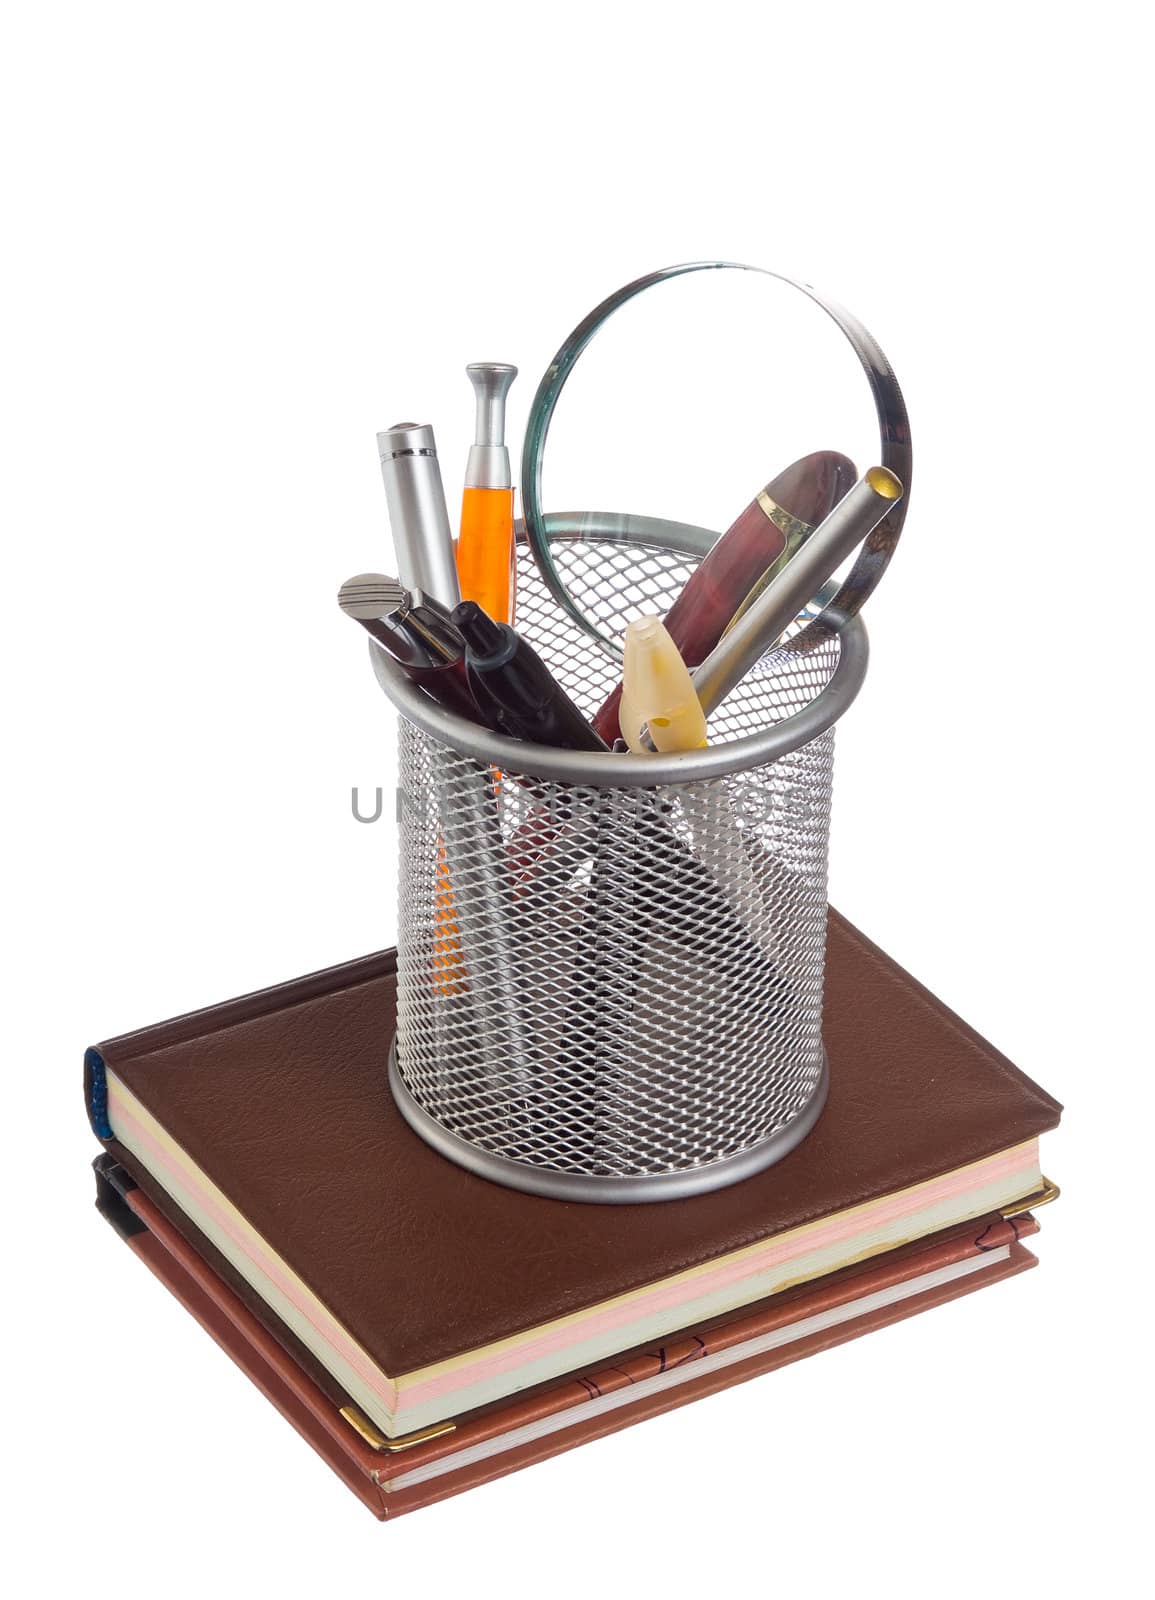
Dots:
pixel 626 771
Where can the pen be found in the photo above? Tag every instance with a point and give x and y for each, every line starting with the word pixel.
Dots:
pixel 429 649
pixel 420 638
pixel 485 549
pixel 786 510
pixel 513 687
pixel 658 693
pixel 797 532
pixel 775 609
pixel 417 516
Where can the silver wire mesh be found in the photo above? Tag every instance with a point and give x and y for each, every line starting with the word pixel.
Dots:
pixel 609 981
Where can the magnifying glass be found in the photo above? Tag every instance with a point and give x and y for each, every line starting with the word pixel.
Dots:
pixel 716 380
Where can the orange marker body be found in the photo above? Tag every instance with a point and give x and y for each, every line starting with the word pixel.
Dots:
pixel 485 565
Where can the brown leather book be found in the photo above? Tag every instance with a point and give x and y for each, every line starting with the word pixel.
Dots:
pixel 392 1479
pixel 263 1129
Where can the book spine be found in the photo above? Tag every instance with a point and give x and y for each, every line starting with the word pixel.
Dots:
pixel 96 1093
pixel 112 1187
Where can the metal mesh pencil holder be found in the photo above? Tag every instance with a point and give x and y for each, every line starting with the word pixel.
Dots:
pixel 610 966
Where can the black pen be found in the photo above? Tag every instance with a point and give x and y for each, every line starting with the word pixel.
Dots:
pixel 513 687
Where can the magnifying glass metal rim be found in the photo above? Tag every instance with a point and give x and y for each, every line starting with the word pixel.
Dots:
pixel 894 454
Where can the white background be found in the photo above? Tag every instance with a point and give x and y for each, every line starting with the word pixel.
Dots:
pixel 242 238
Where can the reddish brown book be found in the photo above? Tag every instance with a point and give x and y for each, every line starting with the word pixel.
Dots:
pixel 544 1422
pixel 264 1130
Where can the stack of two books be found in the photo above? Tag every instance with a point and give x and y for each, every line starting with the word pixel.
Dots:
pixel 426 1330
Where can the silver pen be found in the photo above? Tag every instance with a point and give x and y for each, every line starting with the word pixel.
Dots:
pixel 418 516
pixel 758 629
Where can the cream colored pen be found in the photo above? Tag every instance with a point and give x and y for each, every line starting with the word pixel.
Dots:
pixel 658 693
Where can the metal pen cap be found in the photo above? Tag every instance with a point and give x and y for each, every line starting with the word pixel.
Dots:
pixel 853 518
pixel 385 607
pixel 488 465
pixel 417 512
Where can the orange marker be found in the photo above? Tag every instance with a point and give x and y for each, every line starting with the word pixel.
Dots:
pixel 485 554
pixel 448 963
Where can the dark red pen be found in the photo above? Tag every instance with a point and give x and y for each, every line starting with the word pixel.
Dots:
pixel 788 509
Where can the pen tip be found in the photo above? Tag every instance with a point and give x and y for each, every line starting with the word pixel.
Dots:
pixel 477 627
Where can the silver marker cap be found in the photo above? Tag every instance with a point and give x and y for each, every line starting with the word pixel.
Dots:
pixel 417 513
pixel 488 466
